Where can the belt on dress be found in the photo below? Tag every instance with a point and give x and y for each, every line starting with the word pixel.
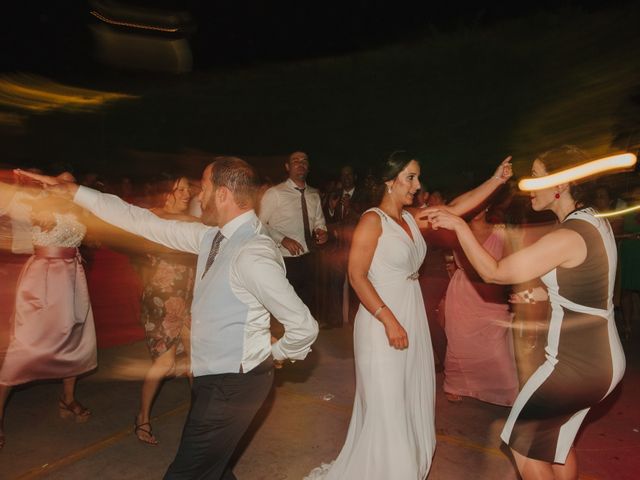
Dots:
pixel 414 276
pixel 56 252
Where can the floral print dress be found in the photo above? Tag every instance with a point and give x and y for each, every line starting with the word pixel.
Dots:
pixel 166 300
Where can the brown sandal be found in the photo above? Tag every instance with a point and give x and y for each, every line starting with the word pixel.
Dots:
pixel 148 437
pixel 73 410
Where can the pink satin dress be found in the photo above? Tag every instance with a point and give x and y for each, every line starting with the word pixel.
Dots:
pixel 479 362
pixel 53 335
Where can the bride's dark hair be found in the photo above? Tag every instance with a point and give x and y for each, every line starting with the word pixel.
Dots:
pixel 396 162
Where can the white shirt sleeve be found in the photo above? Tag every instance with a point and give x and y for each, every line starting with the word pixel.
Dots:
pixel 269 205
pixel 182 236
pixel 261 272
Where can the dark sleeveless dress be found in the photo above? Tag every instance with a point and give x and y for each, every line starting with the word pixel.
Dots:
pixel 584 357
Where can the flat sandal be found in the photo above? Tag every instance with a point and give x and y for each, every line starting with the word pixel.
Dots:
pixel 150 440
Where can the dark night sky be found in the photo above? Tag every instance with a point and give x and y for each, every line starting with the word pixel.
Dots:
pixel 52 37
pixel 460 83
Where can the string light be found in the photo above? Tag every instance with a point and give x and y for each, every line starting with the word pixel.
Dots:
pixel 132 25
pixel 618 212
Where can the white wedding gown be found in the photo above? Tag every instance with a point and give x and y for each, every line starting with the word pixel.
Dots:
pixel 392 429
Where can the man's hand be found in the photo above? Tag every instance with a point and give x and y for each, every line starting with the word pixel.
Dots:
pixel 57 185
pixel 290 244
pixel 321 236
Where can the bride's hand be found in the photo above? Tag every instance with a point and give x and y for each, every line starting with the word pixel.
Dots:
pixel 504 171
pixel 396 334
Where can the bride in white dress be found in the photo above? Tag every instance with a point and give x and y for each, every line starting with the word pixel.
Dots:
pixel 392 429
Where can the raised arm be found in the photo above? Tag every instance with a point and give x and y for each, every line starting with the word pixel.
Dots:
pixel 559 248
pixel 471 199
pixel 260 271
pixel 363 247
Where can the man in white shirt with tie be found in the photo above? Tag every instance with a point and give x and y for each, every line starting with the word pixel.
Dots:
pixel 292 213
pixel 240 280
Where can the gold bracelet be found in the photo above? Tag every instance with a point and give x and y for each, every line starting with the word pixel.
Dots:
pixel 380 308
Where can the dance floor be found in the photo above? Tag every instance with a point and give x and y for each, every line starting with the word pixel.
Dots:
pixel 303 424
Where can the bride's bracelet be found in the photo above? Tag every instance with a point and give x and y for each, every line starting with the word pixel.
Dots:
pixel 379 309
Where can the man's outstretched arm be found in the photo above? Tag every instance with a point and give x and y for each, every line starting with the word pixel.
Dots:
pixel 183 236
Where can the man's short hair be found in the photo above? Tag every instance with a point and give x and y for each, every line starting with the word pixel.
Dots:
pixel 297 152
pixel 238 176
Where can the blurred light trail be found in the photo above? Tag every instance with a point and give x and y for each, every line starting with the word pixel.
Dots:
pixel 579 172
pixel 12 120
pixel 132 25
pixel 38 94
pixel 619 212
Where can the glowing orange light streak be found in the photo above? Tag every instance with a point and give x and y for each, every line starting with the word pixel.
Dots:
pixel 37 94
pixel 579 172
pixel 132 25
pixel 618 212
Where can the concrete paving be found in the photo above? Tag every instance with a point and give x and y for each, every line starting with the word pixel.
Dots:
pixel 302 425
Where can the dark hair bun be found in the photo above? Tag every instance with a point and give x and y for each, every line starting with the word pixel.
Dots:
pixel 396 162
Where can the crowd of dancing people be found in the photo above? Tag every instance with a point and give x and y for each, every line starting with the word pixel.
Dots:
pixel 205 267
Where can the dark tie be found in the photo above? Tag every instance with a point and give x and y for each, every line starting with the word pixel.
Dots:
pixel 305 219
pixel 343 210
pixel 215 247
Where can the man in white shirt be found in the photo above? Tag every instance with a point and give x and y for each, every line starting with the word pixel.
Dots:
pixel 292 213
pixel 240 280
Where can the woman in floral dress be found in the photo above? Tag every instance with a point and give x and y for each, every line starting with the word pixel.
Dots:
pixel 168 277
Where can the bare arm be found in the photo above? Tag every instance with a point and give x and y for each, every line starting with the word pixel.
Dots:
pixel 471 199
pixel 363 247
pixel 560 248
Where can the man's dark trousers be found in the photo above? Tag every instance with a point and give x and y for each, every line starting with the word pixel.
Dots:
pixel 222 407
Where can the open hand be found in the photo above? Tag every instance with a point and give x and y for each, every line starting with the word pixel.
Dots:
pixel 44 180
pixel 61 185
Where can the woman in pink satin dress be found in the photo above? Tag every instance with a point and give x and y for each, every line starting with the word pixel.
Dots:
pixel 53 334
pixel 479 362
